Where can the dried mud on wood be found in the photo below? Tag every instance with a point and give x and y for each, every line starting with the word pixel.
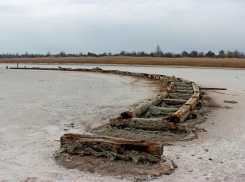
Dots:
pixel 139 134
pixel 112 148
pixel 230 101
pixel 119 169
pixel 197 117
pixel 129 170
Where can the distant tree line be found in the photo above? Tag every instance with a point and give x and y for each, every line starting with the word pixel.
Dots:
pixel 158 53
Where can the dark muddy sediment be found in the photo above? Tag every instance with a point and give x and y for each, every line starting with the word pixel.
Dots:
pixel 127 169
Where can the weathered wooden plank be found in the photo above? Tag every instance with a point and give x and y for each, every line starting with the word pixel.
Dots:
pixel 209 88
pixel 181 114
pixel 113 148
pixel 140 109
pixel 185 110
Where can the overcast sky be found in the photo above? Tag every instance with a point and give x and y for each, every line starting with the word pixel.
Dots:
pixel 74 26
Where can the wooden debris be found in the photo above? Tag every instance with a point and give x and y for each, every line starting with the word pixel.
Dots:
pixel 185 110
pixel 209 88
pixel 150 124
pixel 112 148
pixel 140 109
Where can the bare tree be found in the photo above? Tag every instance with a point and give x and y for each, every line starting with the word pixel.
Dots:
pixel 158 52
pixel 48 54
pixel 236 54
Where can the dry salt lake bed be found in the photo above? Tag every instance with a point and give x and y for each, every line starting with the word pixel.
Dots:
pixel 37 107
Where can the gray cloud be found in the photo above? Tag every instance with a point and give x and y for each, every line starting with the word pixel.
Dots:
pixel 100 26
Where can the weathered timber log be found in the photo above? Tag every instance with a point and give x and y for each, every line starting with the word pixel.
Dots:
pixel 149 124
pixel 195 87
pixel 209 88
pixel 196 95
pixel 155 111
pixel 140 109
pixel 185 110
pixel 174 101
pixel 179 96
pixel 192 102
pixel 181 114
pixel 170 86
pixel 112 148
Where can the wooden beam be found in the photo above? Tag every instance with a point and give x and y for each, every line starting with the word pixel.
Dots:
pixel 185 110
pixel 209 88
pixel 140 109
pixel 112 148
